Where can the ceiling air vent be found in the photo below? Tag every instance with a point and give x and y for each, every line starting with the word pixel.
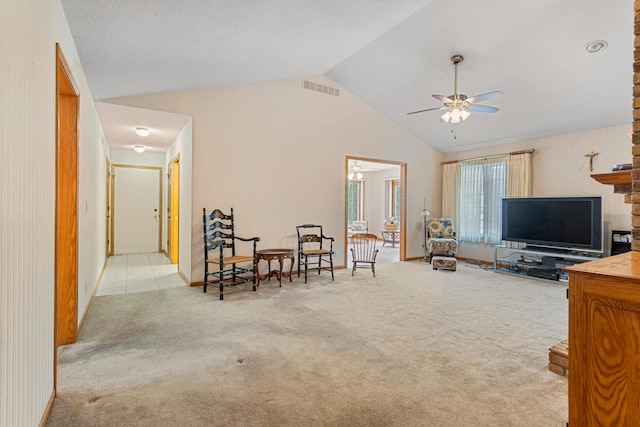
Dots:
pixel 317 87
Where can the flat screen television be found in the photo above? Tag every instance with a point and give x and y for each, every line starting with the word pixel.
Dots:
pixel 569 223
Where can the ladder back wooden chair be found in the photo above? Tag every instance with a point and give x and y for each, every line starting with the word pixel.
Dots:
pixel 312 249
pixel 220 251
pixel 364 252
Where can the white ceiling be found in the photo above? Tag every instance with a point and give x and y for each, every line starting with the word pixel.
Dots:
pixel 392 54
pixel 121 123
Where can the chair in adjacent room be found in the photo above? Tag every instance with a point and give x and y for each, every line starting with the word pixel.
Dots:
pixel 363 252
pixel 441 238
pixel 312 249
pixel 220 251
pixel 357 227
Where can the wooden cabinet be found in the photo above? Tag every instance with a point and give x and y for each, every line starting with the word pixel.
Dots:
pixel 604 342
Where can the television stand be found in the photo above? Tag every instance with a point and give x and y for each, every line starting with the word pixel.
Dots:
pixel 538 263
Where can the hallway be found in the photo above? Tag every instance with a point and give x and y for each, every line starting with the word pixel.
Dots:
pixel 141 272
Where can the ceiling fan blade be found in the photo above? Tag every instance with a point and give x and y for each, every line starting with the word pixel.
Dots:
pixel 428 109
pixel 482 108
pixel 484 96
pixel 442 98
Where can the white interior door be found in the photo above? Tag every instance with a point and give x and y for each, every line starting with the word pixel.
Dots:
pixel 136 209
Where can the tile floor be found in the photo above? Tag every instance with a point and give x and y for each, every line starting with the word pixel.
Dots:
pixel 131 273
pixel 139 273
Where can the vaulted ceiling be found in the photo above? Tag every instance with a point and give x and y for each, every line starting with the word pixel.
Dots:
pixel 392 54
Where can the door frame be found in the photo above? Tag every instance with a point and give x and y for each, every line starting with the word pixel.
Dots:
pixel 65 322
pixel 109 247
pixel 173 210
pixel 403 202
pixel 113 208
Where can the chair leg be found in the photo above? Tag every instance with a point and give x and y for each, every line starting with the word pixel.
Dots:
pixel 331 265
pixel 306 264
pixel 319 264
pixel 254 275
pixel 221 285
pixel 373 268
pixel 353 270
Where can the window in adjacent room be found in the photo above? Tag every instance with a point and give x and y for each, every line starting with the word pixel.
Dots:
pixel 355 201
pixel 396 195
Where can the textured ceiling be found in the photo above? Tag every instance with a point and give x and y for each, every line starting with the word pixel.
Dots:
pixel 392 54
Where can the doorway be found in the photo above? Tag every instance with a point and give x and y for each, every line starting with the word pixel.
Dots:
pixel 376 191
pixel 173 209
pixel 136 223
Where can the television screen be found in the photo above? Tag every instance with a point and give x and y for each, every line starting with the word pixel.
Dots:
pixel 574 223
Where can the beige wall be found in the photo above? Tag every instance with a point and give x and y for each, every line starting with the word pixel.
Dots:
pixel 28 36
pixel 276 154
pixel 560 168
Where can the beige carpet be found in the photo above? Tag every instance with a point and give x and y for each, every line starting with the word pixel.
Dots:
pixel 412 347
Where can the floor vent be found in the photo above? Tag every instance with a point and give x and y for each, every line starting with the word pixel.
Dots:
pixel 317 87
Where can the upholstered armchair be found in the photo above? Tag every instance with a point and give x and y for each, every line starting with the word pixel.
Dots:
pixel 358 227
pixel 441 238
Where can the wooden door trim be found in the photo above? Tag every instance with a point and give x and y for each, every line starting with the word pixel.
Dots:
pixel 403 202
pixel 66 210
pixel 173 242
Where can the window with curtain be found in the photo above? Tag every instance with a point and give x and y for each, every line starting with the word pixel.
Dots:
pixel 396 196
pixel 354 201
pixel 480 189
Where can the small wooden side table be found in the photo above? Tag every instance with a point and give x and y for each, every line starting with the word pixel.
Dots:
pixel 270 254
pixel 390 236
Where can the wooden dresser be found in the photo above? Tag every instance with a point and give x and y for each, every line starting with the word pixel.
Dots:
pixel 604 342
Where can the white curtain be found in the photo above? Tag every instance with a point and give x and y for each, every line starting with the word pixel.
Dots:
pixel 518 182
pixel 519 175
pixel 480 190
pixel 450 173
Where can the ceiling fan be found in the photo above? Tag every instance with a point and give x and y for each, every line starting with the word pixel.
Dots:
pixel 459 106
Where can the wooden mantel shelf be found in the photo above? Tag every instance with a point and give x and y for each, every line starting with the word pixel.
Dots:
pixel 613 178
pixel 621 181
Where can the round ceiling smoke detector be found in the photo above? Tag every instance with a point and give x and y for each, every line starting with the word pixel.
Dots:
pixel 596 46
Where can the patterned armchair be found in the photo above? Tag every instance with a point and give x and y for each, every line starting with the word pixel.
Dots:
pixel 441 238
pixel 358 227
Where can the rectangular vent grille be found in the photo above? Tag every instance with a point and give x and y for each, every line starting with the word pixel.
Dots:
pixel 317 87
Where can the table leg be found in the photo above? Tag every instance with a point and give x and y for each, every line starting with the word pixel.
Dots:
pixel 280 260
pixel 291 267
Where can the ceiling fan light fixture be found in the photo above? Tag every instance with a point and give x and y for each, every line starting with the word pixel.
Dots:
pixel 456 105
pixel 355 172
